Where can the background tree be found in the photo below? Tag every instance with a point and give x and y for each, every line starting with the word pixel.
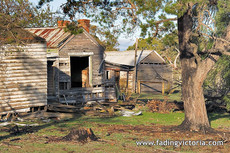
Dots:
pixel 18 14
pixel 108 38
pixel 166 46
pixel 217 85
pixel 195 24
pixel 44 17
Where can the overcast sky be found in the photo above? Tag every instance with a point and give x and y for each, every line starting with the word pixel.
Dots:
pixel 124 42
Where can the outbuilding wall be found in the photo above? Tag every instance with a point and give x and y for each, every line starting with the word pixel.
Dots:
pixel 81 45
pixel 151 76
pixel 23 77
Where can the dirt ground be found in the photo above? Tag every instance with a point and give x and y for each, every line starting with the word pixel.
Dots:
pixel 157 132
pixel 124 137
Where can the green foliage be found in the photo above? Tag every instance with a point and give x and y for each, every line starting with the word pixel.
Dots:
pixel 218 80
pixel 222 17
pixel 220 75
pixel 227 101
pixel 106 37
pixel 166 45
pixel 18 14
pixel 24 14
pixel 43 17
pixel 73 29
pixel 147 44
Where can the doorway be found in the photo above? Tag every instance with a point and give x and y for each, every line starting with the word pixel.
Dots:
pixel 50 78
pixel 79 71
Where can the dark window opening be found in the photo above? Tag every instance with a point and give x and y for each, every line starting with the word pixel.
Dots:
pixel 79 71
pixel 63 85
pixel 107 75
pixel 63 64
pixel 50 78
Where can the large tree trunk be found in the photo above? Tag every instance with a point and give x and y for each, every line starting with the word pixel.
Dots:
pixel 192 95
pixel 194 72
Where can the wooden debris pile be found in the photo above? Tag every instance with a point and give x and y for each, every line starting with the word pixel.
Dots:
pixel 163 107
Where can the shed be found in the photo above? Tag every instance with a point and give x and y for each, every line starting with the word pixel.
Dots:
pixel 152 71
pixel 23 72
pixel 154 74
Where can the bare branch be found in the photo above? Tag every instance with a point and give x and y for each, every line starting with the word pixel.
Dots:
pixel 226 53
pixel 126 8
pixel 175 65
pixel 217 39
pixel 132 4
pixel 205 25
pixel 165 20
pixel 210 15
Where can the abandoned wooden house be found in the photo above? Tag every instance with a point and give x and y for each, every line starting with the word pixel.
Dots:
pixel 152 75
pixel 23 72
pixel 75 64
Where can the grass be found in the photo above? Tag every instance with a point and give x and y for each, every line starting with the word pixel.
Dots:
pixel 146 96
pixel 116 142
pixel 147 118
pixel 219 120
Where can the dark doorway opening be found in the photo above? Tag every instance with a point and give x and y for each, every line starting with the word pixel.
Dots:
pixel 50 78
pixel 79 71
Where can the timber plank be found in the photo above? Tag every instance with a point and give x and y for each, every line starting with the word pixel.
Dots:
pixel 14 109
pixel 23 103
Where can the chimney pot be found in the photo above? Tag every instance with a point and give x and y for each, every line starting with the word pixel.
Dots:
pixel 62 23
pixel 85 23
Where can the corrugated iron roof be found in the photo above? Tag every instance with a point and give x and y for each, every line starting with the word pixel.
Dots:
pixel 54 36
pixel 125 57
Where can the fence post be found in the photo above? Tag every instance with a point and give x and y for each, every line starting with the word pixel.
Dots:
pixel 163 88
pixel 139 86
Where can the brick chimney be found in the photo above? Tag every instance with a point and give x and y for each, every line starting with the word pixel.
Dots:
pixel 85 23
pixel 62 23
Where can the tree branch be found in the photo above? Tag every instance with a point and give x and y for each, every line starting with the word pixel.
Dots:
pixel 226 53
pixel 161 21
pixel 175 66
pixel 218 39
pixel 195 49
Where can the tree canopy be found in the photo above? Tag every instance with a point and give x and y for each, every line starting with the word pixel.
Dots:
pixel 166 45
pixel 108 38
pixel 18 14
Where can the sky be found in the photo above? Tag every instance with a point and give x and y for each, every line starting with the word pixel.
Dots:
pixel 123 40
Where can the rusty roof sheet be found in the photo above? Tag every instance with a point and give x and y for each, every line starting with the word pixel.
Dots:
pixel 54 36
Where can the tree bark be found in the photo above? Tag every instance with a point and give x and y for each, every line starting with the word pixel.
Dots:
pixel 192 95
pixel 194 72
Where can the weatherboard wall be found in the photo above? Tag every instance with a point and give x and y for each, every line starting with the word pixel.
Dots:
pixel 23 77
pixel 151 77
pixel 81 45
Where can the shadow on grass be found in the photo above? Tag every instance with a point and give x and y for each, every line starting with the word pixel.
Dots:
pixel 216 116
pixel 33 129
pixel 82 121
pixel 103 120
